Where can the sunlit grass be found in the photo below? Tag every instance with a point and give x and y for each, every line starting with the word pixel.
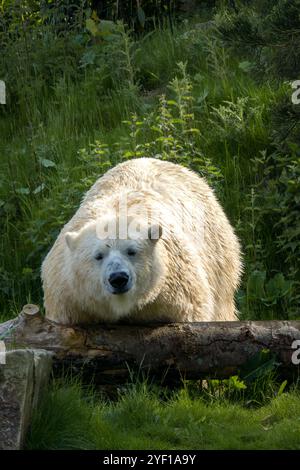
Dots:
pixel 143 419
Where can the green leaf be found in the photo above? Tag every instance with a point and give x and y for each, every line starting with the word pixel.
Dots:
pixel 192 131
pixel 129 154
pixel 236 383
pixel 177 121
pixel 245 66
pixel 47 163
pixel 106 27
pixel 157 129
pixel 91 27
pixel 172 103
pixel 26 271
pixel 281 388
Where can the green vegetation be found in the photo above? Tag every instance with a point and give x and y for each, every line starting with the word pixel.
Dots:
pixel 82 99
pixel 211 92
pixel 251 411
pixel 144 419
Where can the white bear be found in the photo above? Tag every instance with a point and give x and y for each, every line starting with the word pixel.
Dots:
pixel 149 242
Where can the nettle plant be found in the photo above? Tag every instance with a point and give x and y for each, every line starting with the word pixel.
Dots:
pixel 170 132
pixel 273 233
pixel 112 53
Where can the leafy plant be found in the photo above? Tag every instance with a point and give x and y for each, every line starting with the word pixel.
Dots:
pixel 171 132
pixel 268 30
pixel 275 229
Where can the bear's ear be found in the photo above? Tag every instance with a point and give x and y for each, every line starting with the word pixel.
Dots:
pixel 71 240
pixel 155 232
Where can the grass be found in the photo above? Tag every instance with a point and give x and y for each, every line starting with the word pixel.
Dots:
pixel 141 419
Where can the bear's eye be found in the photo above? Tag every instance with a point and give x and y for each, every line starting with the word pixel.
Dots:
pixel 99 256
pixel 131 252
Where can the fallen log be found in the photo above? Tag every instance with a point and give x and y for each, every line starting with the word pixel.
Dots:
pixel 111 352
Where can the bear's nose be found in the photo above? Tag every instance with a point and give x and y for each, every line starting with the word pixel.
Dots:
pixel 118 279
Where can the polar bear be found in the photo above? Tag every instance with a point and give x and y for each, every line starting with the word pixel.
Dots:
pixel 149 242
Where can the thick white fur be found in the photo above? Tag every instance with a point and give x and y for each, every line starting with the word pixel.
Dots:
pixel 189 274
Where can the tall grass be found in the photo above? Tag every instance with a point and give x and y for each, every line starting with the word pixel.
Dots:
pixel 143 418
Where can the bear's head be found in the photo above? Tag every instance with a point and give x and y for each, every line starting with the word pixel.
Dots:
pixel 119 272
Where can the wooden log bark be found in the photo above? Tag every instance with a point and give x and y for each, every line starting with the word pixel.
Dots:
pixel 186 350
